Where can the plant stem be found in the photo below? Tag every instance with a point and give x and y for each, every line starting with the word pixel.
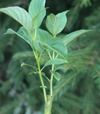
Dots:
pixel 51 80
pixel 48 105
pixel 40 75
pixel 41 79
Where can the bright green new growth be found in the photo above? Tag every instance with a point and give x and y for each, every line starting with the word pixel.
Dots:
pixel 42 41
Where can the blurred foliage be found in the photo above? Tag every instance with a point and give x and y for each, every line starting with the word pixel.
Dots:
pixel 78 91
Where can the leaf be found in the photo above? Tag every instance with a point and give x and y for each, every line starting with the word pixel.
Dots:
pixel 25 64
pixel 35 21
pixel 20 15
pixel 22 33
pixel 68 38
pixel 43 36
pixel 52 24
pixel 54 61
pixel 63 20
pixel 37 11
pixel 56 75
pixel 58 45
pixel 56 23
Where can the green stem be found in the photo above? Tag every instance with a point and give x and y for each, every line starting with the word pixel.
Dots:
pixel 51 80
pixel 41 79
pixel 48 105
pixel 40 75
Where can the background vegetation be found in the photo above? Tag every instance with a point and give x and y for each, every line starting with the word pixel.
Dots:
pixel 79 89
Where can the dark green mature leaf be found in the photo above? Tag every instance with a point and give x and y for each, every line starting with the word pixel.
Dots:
pixel 68 38
pixel 22 33
pixel 37 11
pixel 20 15
pixel 56 23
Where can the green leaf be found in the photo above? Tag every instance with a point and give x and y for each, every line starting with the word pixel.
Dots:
pixel 68 38
pixel 63 20
pixel 20 15
pixel 36 21
pixel 22 33
pixel 25 64
pixel 37 11
pixel 42 36
pixel 56 75
pixel 58 45
pixel 56 23
pixel 54 61
pixel 52 24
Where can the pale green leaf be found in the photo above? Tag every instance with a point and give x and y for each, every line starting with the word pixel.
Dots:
pixel 20 15
pixel 56 23
pixel 52 24
pixel 68 38
pixel 63 20
pixel 37 11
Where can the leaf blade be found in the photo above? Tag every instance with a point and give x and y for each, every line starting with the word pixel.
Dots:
pixel 37 10
pixel 56 23
pixel 22 33
pixel 20 15
pixel 68 38
pixel 56 61
pixel 56 75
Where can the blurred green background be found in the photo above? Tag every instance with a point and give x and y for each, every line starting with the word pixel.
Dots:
pixel 79 89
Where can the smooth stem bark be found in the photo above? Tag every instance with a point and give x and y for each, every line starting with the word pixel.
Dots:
pixel 48 105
